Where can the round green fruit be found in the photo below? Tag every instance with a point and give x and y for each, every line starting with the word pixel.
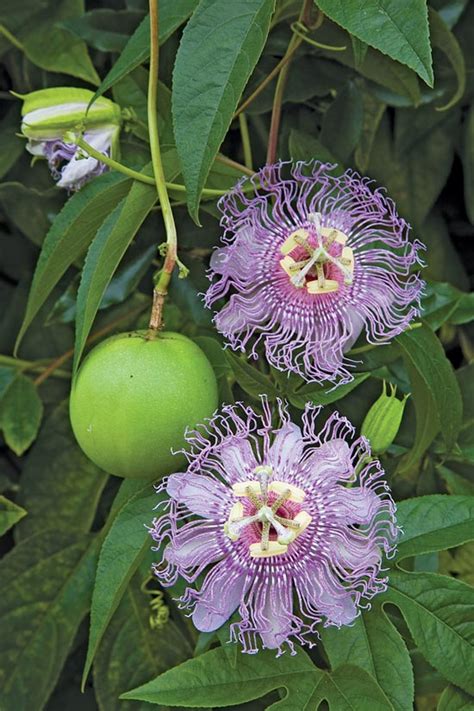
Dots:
pixel 133 399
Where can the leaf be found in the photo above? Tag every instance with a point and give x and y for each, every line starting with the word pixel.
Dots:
pixel 458 563
pixel 434 523
pixel 379 649
pixel 342 123
pixel 454 699
pixel 51 47
pixel 104 256
pixel 10 514
pixel 468 162
pixel 172 14
pixel 436 610
pixel 435 390
pixel 21 411
pixel 70 234
pixel 443 39
pixel 250 379
pixel 219 50
pixel 45 593
pixel 119 558
pixel 61 487
pixel 397 29
pixel 11 145
pixel 132 652
pixel 104 29
pixel 320 395
pixel 208 680
pixel 372 114
pixel 304 146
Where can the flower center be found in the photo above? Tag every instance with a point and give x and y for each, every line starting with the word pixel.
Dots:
pixel 265 497
pixel 307 252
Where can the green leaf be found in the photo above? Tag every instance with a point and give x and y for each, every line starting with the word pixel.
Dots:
pixel 436 610
pixel 70 235
pixel 342 123
pixel 10 514
pixel 104 256
pixel 454 699
pixel 21 411
pixel 249 378
pixel 104 29
pixel 322 395
pixel 61 487
pixel 11 145
pixel 379 649
pixel 51 47
pixel 468 162
pixel 434 523
pixel 208 680
pixel 435 390
pixel 119 558
pixel 45 593
pixel 372 115
pixel 397 29
pixel 172 14
pixel 443 39
pixel 131 652
pixel 304 146
pixel 219 50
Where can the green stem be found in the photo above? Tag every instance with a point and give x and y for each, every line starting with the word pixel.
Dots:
pixel 281 83
pixel 247 146
pixel 11 38
pixel 115 165
pixel 31 365
pixel 161 287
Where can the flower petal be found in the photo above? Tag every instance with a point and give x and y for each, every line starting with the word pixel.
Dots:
pixel 202 495
pixel 330 462
pixel 238 459
pixel 195 545
pixel 276 614
pixel 286 450
pixel 324 594
pixel 356 505
pixel 220 595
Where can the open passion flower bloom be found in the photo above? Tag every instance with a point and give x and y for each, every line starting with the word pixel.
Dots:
pixel 283 524
pixel 309 261
pixel 50 119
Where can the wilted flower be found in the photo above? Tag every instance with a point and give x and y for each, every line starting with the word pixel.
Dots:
pixel 284 525
pixel 310 261
pixel 49 118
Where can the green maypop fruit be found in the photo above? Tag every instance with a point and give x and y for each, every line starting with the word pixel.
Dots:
pixel 134 397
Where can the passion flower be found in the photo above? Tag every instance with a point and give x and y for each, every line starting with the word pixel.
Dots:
pixel 287 525
pixel 51 117
pixel 309 261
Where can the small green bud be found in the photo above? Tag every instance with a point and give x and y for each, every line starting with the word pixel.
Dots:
pixel 383 420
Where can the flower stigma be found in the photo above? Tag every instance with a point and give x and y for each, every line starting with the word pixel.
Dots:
pixel 307 252
pixel 263 499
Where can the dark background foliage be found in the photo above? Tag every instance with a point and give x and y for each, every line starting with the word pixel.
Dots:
pixel 366 96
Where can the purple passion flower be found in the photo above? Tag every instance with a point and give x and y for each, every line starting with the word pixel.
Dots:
pixel 50 120
pixel 283 524
pixel 309 261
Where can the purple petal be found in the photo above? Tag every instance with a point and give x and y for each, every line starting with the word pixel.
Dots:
pixel 238 459
pixel 202 495
pixel 356 505
pixel 324 594
pixel 330 462
pixel 220 595
pixel 287 449
pixel 195 545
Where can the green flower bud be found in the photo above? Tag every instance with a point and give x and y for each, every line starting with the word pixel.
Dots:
pixel 383 420
pixel 49 113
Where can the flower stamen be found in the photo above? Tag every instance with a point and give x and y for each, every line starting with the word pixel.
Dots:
pixel 257 492
pixel 309 272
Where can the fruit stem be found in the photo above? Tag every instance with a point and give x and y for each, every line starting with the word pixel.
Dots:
pixel 161 286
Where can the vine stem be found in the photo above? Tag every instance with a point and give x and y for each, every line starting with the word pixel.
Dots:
pixel 245 136
pixel 281 83
pixel 161 287
pixel 115 165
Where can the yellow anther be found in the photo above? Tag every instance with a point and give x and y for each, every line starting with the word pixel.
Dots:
pixel 282 487
pixel 347 260
pixel 243 487
pixel 303 519
pixel 329 286
pixel 290 266
pixel 332 235
pixel 236 512
pixel 273 548
pixel 296 239
pixel 263 469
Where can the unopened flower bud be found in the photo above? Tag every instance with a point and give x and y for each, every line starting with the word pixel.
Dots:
pixel 52 120
pixel 382 422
